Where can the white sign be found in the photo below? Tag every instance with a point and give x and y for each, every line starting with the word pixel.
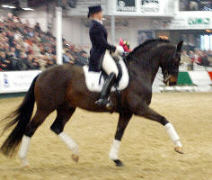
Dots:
pixel 187 22
pixel 126 5
pixel 141 8
pixel 16 81
pixel 150 6
pixel 201 79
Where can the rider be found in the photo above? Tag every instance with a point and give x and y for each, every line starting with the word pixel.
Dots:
pixel 100 53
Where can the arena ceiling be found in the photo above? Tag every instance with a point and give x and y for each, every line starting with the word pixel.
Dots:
pixel 35 3
pixel 31 3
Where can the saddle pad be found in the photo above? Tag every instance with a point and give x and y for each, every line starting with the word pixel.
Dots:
pixel 94 81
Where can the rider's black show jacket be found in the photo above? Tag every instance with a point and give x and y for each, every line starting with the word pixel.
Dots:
pixel 98 37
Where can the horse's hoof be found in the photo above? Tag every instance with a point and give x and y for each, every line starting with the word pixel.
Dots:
pixel 25 166
pixel 118 163
pixel 75 157
pixel 24 163
pixel 179 150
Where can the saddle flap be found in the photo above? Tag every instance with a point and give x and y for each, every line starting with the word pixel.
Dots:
pixel 95 81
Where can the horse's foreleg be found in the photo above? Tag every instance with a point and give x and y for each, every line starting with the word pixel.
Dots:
pixel 122 124
pixel 63 115
pixel 147 112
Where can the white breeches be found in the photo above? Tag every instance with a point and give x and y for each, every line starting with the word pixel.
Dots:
pixel 109 65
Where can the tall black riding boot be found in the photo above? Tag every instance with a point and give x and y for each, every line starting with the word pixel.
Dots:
pixel 109 82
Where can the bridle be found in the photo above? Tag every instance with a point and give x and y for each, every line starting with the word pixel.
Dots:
pixel 167 73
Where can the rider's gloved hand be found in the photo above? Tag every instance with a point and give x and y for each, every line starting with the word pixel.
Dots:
pixel 119 51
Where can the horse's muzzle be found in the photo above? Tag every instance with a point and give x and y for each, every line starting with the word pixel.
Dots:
pixel 170 80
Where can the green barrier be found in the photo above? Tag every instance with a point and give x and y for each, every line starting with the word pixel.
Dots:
pixel 12 95
pixel 184 79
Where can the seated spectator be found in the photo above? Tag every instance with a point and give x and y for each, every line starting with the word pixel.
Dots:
pixel 23 47
pixel 205 61
pixel 37 27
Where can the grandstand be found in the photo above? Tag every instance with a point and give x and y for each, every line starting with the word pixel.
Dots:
pixel 26 48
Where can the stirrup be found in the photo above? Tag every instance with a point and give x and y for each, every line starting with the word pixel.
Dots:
pixel 104 103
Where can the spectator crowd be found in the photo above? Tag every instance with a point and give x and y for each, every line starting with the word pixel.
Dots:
pixel 195 5
pixel 26 48
pixel 201 58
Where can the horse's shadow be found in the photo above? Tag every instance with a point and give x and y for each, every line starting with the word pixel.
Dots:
pixel 97 170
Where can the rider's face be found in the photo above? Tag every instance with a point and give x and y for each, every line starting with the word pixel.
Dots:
pixel 99 15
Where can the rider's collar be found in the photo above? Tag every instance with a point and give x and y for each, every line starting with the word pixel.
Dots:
pixel 97 20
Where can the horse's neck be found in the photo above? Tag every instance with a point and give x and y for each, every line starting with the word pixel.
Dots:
pixel 148 69
pixel 155 68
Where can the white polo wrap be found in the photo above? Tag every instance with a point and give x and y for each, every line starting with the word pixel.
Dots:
pixel 114 150
pixel 69 142
pixel 24 147
pixel 173 134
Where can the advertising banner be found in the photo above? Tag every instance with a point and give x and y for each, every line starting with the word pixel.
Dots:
pixel 210 74
pixel 16 81
pixel 142 8
pixel 150 6
pixel 199 21
pixel 200 78
pixel 188 22
pixel 126 5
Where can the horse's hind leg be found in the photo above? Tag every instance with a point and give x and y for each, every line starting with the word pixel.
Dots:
pixel 64 113
pixel 36 121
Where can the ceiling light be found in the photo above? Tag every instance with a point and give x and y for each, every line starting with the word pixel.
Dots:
pixel 8 6
pixel 28 9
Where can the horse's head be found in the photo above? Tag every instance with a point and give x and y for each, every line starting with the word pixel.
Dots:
pixel 155 53
pixel 170 62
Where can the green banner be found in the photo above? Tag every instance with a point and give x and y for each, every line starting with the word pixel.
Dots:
pixel 184 79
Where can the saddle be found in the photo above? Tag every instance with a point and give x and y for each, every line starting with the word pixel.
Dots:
pixel 95 80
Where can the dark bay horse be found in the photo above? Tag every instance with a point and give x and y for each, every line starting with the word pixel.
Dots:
pixel 62 88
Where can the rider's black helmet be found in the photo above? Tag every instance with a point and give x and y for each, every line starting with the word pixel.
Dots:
pixel 94 9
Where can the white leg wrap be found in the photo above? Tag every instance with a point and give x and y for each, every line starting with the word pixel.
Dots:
pixel 24 146
pixel 69 142
pixel 24 149
pixel 114 150
pixel 173 134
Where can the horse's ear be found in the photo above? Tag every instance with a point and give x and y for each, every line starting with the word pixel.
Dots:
pixel 179 46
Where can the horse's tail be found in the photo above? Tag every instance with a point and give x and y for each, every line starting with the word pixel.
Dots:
pixel 21 118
